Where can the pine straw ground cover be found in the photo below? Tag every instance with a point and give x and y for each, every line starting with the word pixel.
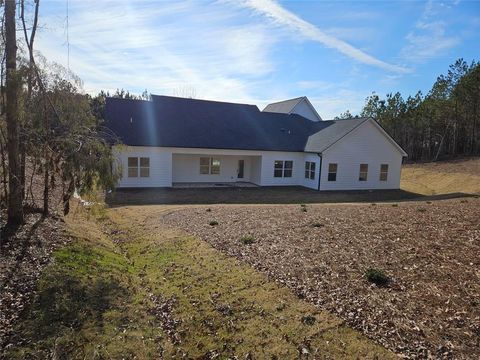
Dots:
pixel 430 251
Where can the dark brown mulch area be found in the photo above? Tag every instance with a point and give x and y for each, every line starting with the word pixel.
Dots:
pixel 431 251
pixel 22 258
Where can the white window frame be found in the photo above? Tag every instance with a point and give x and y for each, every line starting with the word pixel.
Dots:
pixel 331 172
pixel 144 167
pixel 141 167
pixel 310 170
pixel 363 174
pixel 210 167
pixel 384 172
pixel 132 169
pixel 283 168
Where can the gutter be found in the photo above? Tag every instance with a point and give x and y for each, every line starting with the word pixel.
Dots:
pixel 319 170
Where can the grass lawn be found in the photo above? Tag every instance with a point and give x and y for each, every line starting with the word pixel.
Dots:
pixel 124 289
pixel 443 177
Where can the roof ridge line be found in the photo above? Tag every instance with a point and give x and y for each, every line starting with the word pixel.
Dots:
pixel 282 101
pixel 204 100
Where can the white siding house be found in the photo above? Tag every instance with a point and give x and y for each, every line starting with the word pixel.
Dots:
pixel 287 144
pixel 365 145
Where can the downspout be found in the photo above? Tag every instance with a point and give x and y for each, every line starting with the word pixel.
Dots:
pixel 319 170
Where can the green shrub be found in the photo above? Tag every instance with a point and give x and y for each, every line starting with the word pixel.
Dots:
pixel 308 320
pixel 247 239
pixel 378 277
pixel 213 223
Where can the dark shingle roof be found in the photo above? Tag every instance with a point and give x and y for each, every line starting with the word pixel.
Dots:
pixel 283 107
pixel 322 140
pixel 178 122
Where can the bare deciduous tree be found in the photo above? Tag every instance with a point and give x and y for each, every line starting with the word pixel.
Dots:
pixel 15 198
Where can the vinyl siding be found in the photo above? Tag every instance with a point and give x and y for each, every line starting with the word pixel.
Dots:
pixel 168 165
pixel 256 170
pixel 312 184
pixel 186 168
pixel 364 145
pixel 160 166
pixel 303 109
pixel 268 164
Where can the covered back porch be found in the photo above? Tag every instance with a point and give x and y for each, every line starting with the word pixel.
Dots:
pixel 190 170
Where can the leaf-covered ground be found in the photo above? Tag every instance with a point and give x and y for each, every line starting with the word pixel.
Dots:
pixel 126 287
pixel 23 256
pixel 430 250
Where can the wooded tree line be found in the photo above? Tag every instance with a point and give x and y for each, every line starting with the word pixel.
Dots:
pixel 48 125
pixel 442 124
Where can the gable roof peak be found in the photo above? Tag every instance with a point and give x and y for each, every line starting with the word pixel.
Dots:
pixel 292 106
pixel 284 106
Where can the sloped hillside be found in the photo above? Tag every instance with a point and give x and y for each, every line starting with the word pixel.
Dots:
pixel 442 177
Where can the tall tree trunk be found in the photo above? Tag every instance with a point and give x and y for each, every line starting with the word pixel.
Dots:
pixel 31 63
pixel 46 184
pixel 474 129
pixel 15 206
pixel 4 168
pixel 67 195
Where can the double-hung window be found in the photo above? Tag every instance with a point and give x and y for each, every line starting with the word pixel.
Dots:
pixel 138 167
pixel 210 166
pixel 309 170
pixel 363 175
pixel 383 172
pixel 283 168
pixel 332 172
pixel 144 167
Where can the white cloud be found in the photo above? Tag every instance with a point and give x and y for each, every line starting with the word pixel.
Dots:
pixel 160 47
pixel 353 33
pixel 170 47
pixel 282 16
pixel 337 102
pixel 429 38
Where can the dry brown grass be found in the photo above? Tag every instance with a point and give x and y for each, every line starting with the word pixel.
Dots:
pixel 443 177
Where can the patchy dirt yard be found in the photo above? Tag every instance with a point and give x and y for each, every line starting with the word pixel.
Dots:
pixel 430 250
pixel 126 287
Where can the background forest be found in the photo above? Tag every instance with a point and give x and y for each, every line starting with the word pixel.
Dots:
pixel 442 124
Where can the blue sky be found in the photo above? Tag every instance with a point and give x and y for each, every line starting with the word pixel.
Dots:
pixel 335 52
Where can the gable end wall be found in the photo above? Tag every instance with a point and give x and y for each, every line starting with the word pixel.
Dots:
pixel 303 109
pixel 365 145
